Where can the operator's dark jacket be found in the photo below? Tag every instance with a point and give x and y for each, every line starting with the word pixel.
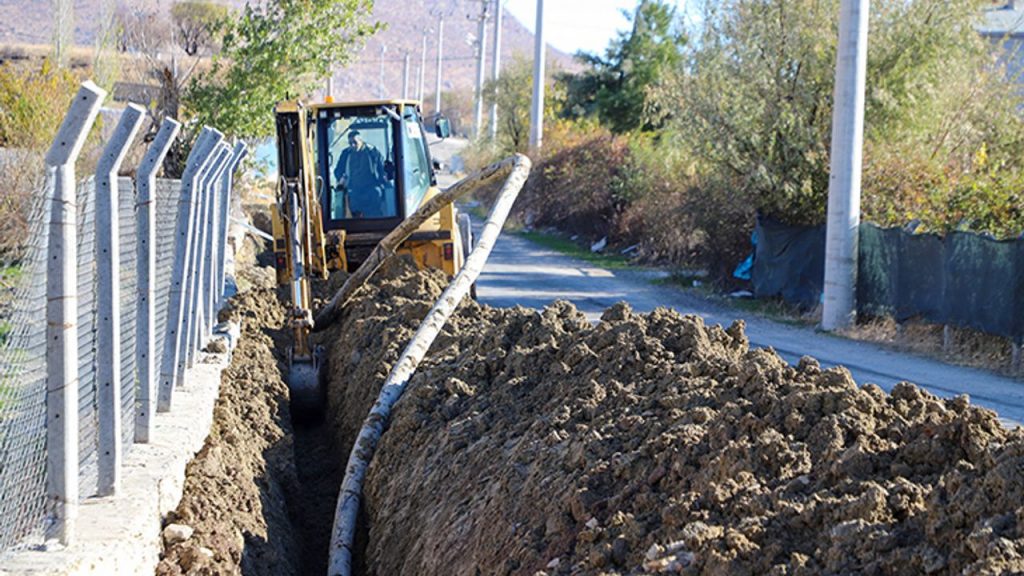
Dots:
pixel 375 163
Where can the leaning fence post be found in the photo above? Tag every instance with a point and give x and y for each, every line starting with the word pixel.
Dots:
pixel 145 212
pixel 62 313
pixel 197 295
pixel 172 366
pixel 192 319
pixel 108 301
pixel 225 212
pixel 213 238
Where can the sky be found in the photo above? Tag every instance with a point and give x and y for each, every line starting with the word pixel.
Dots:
pixel 572 25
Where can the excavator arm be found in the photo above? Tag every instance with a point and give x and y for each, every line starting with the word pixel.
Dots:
pixel 299 249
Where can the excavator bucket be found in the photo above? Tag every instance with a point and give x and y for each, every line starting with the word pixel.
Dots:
pixel 307 389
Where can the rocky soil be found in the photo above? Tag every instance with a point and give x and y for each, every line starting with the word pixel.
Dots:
pixel 239 486
pixel 259 497
pixel 534 442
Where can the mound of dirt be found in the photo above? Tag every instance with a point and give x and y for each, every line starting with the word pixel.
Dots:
pixel 239 486
pixel 536 442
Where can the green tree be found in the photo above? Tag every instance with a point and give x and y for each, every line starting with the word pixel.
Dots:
pixel 617 87
pixel 272 51
pixel 513 92
pixel 755 99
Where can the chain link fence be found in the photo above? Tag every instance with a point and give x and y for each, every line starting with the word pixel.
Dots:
pixel 23 386
pixel 166 197
pixel 45 468
pixel 129 295
pixel 88 424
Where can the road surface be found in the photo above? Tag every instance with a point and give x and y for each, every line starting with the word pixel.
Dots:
pixel 521 273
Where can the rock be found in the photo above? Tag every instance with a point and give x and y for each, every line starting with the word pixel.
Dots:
pixel 217 345
pixel 620 548
pixel 175 533
pixel 599 245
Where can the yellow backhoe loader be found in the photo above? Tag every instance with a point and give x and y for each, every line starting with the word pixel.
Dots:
pixel 349 174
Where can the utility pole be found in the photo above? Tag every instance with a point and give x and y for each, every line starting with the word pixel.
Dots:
pixel 481 57
pixel 405 77
pixel 839 308
pixel 380 82
pixel 423 68
pixel 537 110
pixel 496 68
pixel 440 51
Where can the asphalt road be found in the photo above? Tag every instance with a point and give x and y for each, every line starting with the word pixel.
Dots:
pixel 521 273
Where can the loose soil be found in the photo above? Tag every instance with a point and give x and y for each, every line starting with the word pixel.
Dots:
pixel 255 494
pixel 536 442
pixel 533 442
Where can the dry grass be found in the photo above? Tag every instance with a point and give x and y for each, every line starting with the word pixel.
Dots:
pixel 966 347
pixel 80 58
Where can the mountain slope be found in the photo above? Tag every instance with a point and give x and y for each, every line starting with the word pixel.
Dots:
pixel 31 22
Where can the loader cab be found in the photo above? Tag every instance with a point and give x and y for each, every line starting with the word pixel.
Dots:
pixel 374 165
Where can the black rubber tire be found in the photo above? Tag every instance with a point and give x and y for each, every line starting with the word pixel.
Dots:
pixel 466 235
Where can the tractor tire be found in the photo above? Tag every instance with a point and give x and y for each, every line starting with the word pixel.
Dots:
pixel 466 235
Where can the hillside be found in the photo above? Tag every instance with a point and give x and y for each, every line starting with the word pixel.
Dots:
pixel 31 22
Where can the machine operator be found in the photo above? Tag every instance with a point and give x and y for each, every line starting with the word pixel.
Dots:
pixel 360 177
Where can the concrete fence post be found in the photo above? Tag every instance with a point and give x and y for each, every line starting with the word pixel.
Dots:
pixel 62 314
pixel 225 211
pixel 108 301
pixel 191 316
pixel 197 296
pixel 213 247
pixel 145 214
pixel 172 363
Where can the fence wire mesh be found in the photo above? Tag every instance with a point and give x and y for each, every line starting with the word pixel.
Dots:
pixel 23 500
pixel 23 385
pixel 88 423
pixel 129 283
pixel 166 195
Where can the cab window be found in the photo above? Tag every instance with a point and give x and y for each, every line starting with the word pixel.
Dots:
pixel 360 163
pixel 416 167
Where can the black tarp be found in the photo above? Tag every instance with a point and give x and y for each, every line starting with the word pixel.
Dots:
pixel 963 279
pixel 789 262
pixel 984 283
pixel 900 274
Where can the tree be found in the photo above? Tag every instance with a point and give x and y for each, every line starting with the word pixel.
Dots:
pixel 617 87
pixel 195 24
pixel 63 30
pixel 513 91
pixel 755 100
pixel 272 51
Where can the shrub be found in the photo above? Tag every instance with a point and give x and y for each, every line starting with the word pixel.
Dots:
pixel 32 106
pixel 574 188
